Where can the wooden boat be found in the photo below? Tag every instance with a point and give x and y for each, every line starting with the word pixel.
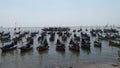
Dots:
pixel 42 48
pixel 78 30
pixel 5 38
pixel 58 42
pixel 30 40
pixel 74 30
pixel 33 34
pixel 27 47
pixel 60 47
pixel 51 39
pixel 18 37
pixel 77 38
pixel 8 49
pixel 85 46
pixel 64 38
pixel 40 39
pixel 18 32
pixel 97 43
pixel 1 32
pixel 24 48
pixel 74 47
pixel 44 45
pixel 56 29
pixel 114 43
pixel 84 41
pixel 93 33
pixel 59 33
pixel 6 34
pixel 86 29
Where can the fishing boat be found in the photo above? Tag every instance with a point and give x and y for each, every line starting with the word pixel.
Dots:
pixel 114 43
pixel 25 48
pixel 97 44
pixel 74 46
pixel 52 37
pixel 85 44
pixel 9 47
pixel 60 46
pixel 64 38
pixel 44 46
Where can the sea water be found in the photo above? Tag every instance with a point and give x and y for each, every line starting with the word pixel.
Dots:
pixel 53 58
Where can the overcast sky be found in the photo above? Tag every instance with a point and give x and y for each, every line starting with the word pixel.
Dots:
pixel 27 13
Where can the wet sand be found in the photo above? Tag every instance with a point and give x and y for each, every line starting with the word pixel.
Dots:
pixel 96 65
pixel 92 65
